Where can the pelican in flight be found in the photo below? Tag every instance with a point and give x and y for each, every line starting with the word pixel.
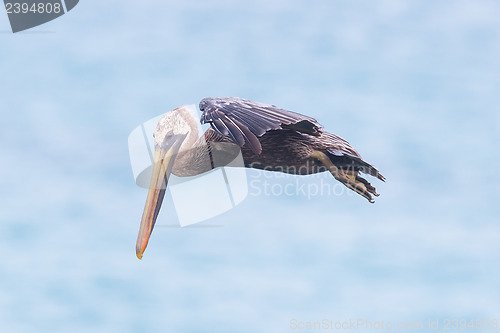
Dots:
pixel 268 138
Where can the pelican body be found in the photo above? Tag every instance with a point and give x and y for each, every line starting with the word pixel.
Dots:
pixel 268 137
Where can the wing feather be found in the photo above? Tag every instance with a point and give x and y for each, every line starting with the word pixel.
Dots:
pixel 245 120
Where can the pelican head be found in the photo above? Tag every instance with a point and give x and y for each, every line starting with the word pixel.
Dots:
pixel 180 121
pixel 175 131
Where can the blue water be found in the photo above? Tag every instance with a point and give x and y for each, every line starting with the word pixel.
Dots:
pixel 413 85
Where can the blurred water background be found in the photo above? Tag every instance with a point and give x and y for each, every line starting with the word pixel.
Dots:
pixel 413 85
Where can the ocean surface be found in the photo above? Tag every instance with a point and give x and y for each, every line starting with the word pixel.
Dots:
pixel 413 85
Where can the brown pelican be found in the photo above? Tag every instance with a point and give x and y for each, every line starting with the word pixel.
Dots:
pixel 270 138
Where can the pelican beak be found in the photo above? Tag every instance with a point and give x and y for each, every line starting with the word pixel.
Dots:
pixel 163 161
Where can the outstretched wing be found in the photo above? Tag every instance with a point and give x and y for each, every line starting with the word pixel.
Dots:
pixel 245 120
